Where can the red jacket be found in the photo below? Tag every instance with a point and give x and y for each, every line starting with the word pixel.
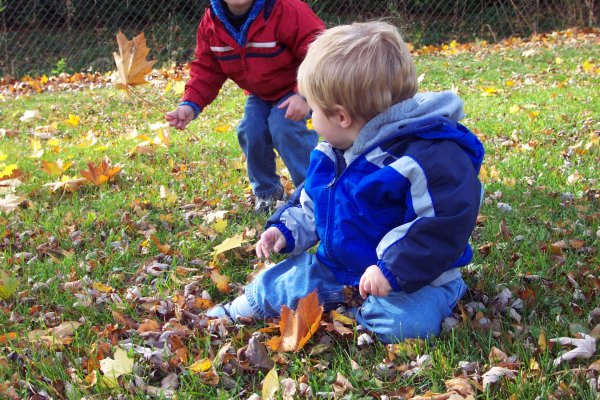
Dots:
pixel 262 58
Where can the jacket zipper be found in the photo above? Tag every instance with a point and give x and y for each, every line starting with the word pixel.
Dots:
pixel 336 178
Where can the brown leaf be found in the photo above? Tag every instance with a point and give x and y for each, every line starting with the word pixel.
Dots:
pixel 563 245
pixel 101 173
pixel 298 327
pixel 504 231
pixel 131 61
pixel 257 354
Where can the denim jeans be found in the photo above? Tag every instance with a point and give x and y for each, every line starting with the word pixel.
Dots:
pixel 263 129
pixel 392 318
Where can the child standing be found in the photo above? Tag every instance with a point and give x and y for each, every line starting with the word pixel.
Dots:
pixel 259 44
pixel 391 196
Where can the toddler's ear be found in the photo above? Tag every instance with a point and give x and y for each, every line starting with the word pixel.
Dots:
pixel 342 116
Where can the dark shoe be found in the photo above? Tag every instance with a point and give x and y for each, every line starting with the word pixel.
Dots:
pixel 266 204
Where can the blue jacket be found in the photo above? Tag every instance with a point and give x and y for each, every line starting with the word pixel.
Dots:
pixel 405 197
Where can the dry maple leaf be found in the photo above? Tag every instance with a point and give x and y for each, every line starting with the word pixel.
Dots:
pixel 584 348
pixel 67 183
pixel 131 61
pixel 297 328
pixel 102 173
pixel 10 202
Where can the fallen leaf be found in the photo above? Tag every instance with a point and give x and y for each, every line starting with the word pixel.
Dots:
pixel 67 183
pixel 222 281
pixel 201 365
pixel 10 203
pixel 495 374
pixel 8 285
pixel 57 168
pixel 131 62
pixel 270 385
pixel 229 243
pixel 257 354
pixel 298 327
pixel 584 348
pixel 121 364
pixel 101 173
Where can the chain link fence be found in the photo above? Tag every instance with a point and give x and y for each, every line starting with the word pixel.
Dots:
pixel 54 36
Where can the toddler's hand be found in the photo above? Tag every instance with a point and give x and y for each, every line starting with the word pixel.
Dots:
pixel 297 107
pixel 373 282
pixel 180 117
pixel 271 240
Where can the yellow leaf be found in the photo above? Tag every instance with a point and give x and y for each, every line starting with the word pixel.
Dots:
pixel 588 66
pixel 179 87
pixel 73 120
pixel 510 83
pixel 36 148
pixel 131 62
pixel 201 365
pixel 101 287
pixel 55 168
pixel 7 170
pixel 228 244
pixel 514 109
pixel 222 128
pixel 220 225
pixel 558 60
pixel 336 316
pixel 8 285
pixel 270 385
pixel 309 124
pixel 489 91
pixel 120 365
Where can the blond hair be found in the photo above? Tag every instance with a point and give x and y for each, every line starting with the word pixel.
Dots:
pixel 364 67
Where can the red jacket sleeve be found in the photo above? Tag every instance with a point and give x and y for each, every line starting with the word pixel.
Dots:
pixel 206 76
pixel 307 26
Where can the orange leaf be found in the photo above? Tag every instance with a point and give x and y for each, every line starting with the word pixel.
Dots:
pixel 131 61
pixel 163 248
pixel 102 173
pixel 298 327
pixel 8 337
pixel 222 281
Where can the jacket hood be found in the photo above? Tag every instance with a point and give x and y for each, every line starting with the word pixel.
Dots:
pixel 411 111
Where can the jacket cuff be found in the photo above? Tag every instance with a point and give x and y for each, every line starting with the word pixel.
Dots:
pixel 389 275
pixel 194 106
pixel 290 242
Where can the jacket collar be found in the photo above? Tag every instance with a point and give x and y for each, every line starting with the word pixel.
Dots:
pixel 241 36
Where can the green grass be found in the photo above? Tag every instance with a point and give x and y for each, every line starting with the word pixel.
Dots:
pixel 540 130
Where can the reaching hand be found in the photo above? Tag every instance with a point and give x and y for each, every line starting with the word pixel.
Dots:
pixel 271 240
pixel 297 107
pixel 373 282
pixel 180 117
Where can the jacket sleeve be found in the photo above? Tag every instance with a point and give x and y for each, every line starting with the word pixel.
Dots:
pixel 296 221
pixel 206 76
pixel 444 194
pixel 307 26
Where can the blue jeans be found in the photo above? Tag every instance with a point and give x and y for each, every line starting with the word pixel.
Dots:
pixel 263 129
pixel 393 318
